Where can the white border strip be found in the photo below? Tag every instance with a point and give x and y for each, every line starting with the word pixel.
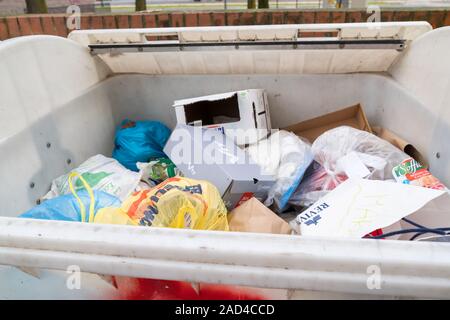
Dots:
pixel 409 30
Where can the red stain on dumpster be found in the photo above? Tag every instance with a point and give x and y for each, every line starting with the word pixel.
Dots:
pixel 150 289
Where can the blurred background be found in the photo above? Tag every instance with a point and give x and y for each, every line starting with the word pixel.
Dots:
pixel 15 7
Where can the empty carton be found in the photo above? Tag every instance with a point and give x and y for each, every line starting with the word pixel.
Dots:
pixel 242 115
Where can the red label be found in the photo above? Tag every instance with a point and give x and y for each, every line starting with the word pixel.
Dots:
pixel 378 232
pixel 245 196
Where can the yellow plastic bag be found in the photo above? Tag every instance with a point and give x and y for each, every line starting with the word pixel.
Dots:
pixel 113 216
pixel 176 203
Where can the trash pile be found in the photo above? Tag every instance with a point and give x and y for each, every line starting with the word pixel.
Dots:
pixel 224 168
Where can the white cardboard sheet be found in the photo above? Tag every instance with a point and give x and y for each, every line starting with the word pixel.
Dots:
pixel 359 206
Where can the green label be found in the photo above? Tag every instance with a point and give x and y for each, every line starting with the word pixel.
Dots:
pixel 406 167
pixel 91 178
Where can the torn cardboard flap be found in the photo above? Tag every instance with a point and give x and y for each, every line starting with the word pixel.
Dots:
pixel 253 216
pixel 212 97
pixel 353 116
pixel 402 144
pixel 209 111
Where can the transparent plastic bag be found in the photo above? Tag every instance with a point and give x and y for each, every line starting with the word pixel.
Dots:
pixel 285 156
pixel 376 154
pixel 316 183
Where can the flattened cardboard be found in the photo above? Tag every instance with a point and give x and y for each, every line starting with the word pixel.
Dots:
pixel 253 216
pixel 353 116
pixel 236 177
pixel 403 145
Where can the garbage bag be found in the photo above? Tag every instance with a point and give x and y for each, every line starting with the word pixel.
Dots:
pixel 176 203
pixel 72 207
pixel 315 185
pixel 139 141
pixel 345 152
pixel 113 215
pixel 285 156
pixel 67 208
pixel 101 173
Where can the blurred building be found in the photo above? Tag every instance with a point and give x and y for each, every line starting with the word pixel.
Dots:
pixel 13 7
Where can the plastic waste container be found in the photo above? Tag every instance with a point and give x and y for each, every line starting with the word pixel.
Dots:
pixel 61 99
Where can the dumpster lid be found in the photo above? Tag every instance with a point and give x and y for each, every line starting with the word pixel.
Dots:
pixel 280 49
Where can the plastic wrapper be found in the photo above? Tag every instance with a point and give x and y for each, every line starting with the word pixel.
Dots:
pixel 285 156
pixel 158 170
pixel 330 149
pixel 176 203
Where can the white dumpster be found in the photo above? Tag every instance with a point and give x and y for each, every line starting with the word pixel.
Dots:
pixel 61 99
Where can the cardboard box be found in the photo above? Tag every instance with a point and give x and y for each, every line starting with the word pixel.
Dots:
pixel 353 116
pixel 253 216
pixel 210 155
pixel 233 111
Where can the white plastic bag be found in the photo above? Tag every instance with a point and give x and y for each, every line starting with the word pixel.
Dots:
pixel 345 152
pixel 378 155
pixel 285 156
pixel 101 173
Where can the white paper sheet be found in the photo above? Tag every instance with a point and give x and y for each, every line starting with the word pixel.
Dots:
pixel 359 206
pixel 352 165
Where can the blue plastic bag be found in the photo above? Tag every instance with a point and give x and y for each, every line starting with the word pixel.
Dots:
pixel 139 141
pixel 67 207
